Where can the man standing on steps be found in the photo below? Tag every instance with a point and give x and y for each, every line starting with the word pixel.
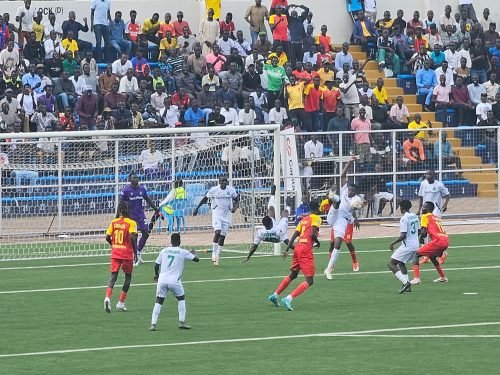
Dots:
pixel 100 17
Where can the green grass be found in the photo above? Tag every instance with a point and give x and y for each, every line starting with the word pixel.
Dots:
pixel 74 319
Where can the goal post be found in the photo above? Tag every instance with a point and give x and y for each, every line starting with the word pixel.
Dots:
pixel 59 190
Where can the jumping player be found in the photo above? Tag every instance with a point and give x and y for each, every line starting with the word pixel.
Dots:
pixel 409 231
pixel 122 236
pixel 432 190
pixel 431 225
pixel 343 225
pixel 303 258
pixel 134 193
pixel 224 202
pixel 273 231
pixel 168 273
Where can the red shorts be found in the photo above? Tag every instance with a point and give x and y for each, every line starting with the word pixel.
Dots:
pixel 303 259
pixel 127 265
pixel 432 249
pixel 348 233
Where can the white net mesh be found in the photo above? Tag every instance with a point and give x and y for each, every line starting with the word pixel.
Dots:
pixel 59 193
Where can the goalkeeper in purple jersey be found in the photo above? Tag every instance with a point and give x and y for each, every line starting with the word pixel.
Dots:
pixel 134 194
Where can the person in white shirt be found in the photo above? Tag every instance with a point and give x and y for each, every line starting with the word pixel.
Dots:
pixel 313 148
pixel 121 66
pixel 432 190
pixel 445 70
pixel 224 201
pixel 311 56
pixel 151 158
pixel 250 153
pixel 170 114
pixel 232 153
pixel 342 218
pixel 247 115
pixel 492 87
pixel 452 56
pixel 225 43
pixel 371 9
pixel 169 267
pixel 482 109
pixel 52 45
pixel 78 82
pixel 52 25
pixel 408 237
pixel 24 16
pixel 272 231
pixel 128 84
pixel 253 58
pixel 277 114
pixel 229 114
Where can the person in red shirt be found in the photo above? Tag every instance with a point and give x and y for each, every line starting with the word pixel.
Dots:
pixel 312 104
pixel 228 25
pixel 180 24
pixel 303 258
pixel 323 39
pixel 331 99
pixel 279 28
pixel 122 236
pixel 431 226
pixel 166 26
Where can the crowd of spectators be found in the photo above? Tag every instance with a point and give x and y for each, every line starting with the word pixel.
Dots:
pixel 160 72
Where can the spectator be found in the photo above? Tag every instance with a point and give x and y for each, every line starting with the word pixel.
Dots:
pixel 467 9
pixel 106 121
pixel 107 79
pixel 78 82
pixel 75 27
pixel 90 79
pixel 123 117
pixel 43 119
pixel 313 105
pixel 277 114
pixel 87 107
pixel 426 80
pixel 128 84
pixel 463 72
pixel 243 47
pixel 186 41
pixel 309 40
pixel 251 80
pixel 117 35
pixel 246 116
pixel 418 59
pixel 399 23
pixel 225 43
pixel 437 56
pixel 139 62
pixel 491 36
pixel 216 59
pixel 187 81
pixel 8 118
pixel 446 20
pixel 234 81
pixel 313 148
pixel 209 32
pixel 479 58
pixel 255 15
pixel 263 46
pixel 9 59
pixel 433 36
pixel 112 98
pixel 52 45
pixel 170 114
pixel 491 87
pixel 49 100
pixel 297 32
pixel 278 23
pixel 399 115
pixel 121 66
pixel 151 159
pixel 414 24
pixel 10 100
pixel 350 96
pixel 452 56
pixel 250 153
pixel 215 118
pixel 276 76
pixel 168 45
pixel 132 31
pixel 476 90
pixel 465 52
pixel 385 23
pixel 225 93
pixel 343 57
pixel 151 27
pixel 441 95
pixel 461 101
pixel 364 31
pixel 444 149
pixel 166 26
pixel 381 93
pixel 380 115
pixel 194 116
pixel 64 90
pixel 483 108
pixel 33 50
pixel 362 138
pixel 449 37
pixel 331 100
pixel 24 17
pixel 417 124
pixel 413 153
pixel 231 154
pixel 229 114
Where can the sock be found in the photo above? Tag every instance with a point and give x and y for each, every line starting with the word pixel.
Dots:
pixel 283 285
pixel 440 271
pixel 353 256
pixel 406 279
pixel 215 247
pixel 416 271
pixel 399 275
pixel 333 258
pixel 141 244
pixel 219 251
pixel 181 307
pixel 123 295
pixel 109 292
pixel 156 313
pixel 300 289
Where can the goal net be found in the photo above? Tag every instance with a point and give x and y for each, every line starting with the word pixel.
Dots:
pixel 59 192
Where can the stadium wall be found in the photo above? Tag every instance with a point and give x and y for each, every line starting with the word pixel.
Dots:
pixel 325 11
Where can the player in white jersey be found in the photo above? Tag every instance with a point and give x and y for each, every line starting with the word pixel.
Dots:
pixel 432 190
pixel 168 273
pixel 224 202
pixel 342 218
pixel 409 228
pixel 272 231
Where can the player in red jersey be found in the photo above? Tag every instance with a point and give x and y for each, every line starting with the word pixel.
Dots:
pixel 122 236
pixel 431 225
pixel 303 258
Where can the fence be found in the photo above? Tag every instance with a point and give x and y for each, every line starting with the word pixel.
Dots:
pixel 58 193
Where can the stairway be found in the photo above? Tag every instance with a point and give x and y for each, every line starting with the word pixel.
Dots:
pixel 487 181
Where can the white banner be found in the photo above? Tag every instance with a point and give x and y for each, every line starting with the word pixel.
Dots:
pixel 290 164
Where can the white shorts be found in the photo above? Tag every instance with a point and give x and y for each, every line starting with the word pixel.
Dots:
pixel 404 253
pixel 219 224
pixel 163 289
pixel 283 229
pixel 385 195
pixel 340 226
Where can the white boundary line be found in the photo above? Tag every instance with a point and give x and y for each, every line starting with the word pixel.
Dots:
pixel 369 333
pixel 238 279
pixel 429 336
pixel 243 255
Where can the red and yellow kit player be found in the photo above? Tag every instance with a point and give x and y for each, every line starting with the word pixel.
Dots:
pixel 303 259
pixel 431 226
pixel 122 236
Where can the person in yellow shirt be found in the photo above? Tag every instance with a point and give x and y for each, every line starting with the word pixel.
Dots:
pixel 151 27
pixel 417 124
pixel 69 44
pixel 216 6
pixel 168 43
pixel 282 57
pixel 38 28
pixel 381 93
pixel 326 74
pixel 294 93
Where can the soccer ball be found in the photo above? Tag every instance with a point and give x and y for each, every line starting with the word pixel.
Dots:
pixel 356 202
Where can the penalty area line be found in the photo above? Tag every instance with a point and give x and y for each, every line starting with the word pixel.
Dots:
pixel 367 333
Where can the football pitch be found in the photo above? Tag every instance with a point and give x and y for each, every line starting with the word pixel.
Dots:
pixel 53 322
